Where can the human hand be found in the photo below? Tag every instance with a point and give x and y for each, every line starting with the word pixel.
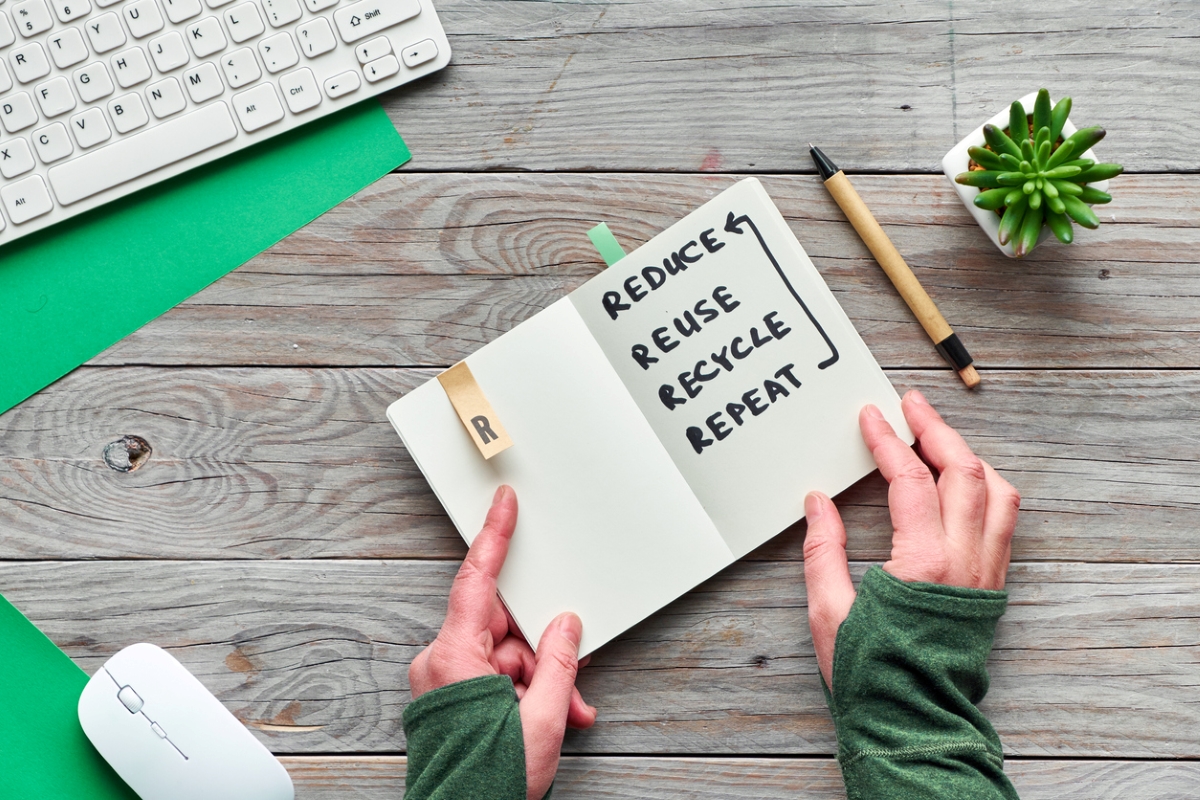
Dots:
pixel 955 530
pixel 479 637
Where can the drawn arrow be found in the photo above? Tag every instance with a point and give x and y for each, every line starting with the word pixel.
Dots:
pixel 734 225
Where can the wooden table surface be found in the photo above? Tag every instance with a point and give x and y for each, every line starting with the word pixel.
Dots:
pixel 281 543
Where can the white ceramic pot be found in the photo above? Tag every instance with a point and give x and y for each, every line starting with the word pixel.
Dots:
pixel 955 162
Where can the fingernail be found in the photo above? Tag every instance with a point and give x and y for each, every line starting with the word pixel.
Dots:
pixel 874 413
pixel 917 397
pixel 499 494
pixel 571 627
pixel 813 506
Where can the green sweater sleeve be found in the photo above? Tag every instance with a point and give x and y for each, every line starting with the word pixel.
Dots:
pixel 465 740
pixel 909 669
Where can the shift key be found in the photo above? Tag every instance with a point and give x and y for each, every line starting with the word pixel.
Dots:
pixel 359 20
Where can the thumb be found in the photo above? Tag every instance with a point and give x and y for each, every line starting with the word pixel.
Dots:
pixel 547 700
pixel 826 577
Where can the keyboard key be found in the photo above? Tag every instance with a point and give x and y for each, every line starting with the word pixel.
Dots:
pixel 106 3
pixel 203 82
pixel 168 52
pixel 143 18
pixel 52 143
pixel 55 97
pixel 71 10
pixel 67 48
pixel 360 20
pixel 32 17
pixel 105 33
pixel 278 52
pixel 206 37
pixel 282 12
pixel 258 107
pixel 26 199
pixel 300 90
pixel 342 84
pixel 90 128
pixel 7 36
pixel 376 48
pixel 127 112
pixel 166 98
pixel 381 68
pixel 93 82
pixel 131 67
pixel 5 79
pixel 240 67
pixel 316 37
pixel 29 62
pixel 134 156
pixel 15 158
pixel 217 3
pixel 17 112
pixel 419 53
pixel 320 5
pixel 243 22
pixel 182 10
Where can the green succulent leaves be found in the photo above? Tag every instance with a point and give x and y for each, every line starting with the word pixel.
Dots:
pixel 1034 179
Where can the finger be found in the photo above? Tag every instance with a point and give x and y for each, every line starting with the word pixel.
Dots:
pixel 826 577
pixel 999 522
pixel 498 620
pixel 961 487
pixel 579 713
pixel 474 587
pixel 514 658
pixel 546 703
pixel 912 493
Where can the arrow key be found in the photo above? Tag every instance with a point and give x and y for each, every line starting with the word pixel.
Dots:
pixel 342 84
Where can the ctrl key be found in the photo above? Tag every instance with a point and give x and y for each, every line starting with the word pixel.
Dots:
pixel 300 90
pixel 26 199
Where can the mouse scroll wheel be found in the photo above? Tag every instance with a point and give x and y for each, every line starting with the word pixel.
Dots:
pixel 130 699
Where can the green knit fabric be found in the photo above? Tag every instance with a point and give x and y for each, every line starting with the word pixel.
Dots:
pixel 465 741
pixel 909 670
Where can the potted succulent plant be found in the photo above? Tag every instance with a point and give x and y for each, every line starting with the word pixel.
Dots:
pixel 1025 176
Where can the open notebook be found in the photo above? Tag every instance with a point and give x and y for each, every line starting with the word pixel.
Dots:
pixel 667 417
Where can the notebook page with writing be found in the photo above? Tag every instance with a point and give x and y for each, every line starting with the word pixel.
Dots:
pixel 607 526
pixel 742 362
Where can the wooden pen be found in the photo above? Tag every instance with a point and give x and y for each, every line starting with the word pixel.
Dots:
pixel 944 338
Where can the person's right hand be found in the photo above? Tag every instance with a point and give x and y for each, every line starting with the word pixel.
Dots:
pixel 955 530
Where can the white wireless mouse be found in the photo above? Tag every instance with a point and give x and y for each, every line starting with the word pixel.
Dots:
pixel 169 738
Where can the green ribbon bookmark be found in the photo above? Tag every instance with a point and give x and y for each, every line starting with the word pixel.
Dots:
pixel 606 243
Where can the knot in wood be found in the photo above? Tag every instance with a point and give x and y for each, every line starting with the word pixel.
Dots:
pixel 127 453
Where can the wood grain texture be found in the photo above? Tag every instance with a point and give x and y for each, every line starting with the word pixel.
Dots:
pixel 424 269
pixel 626 778
pixel 302 463
pixel 730 86
pixel 1091 660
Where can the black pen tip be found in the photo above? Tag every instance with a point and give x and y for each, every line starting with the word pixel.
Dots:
pixel 824 166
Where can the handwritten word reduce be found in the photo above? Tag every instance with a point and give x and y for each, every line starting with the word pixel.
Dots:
pixel 654 277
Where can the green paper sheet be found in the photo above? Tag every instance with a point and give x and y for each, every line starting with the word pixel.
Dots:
pixel 69 291
pixel 44 753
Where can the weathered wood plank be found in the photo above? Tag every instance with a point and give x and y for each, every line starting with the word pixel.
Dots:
pixel 624 778
pixel 424 269
pixel 729 86
pixel 301 463
pixel 1091 660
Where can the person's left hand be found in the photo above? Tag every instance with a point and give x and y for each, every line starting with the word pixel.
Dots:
pixel 479 638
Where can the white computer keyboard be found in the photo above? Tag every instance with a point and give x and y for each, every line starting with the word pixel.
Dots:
pixel 100 98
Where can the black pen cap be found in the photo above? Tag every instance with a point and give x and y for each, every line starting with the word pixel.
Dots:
pixel 824 166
